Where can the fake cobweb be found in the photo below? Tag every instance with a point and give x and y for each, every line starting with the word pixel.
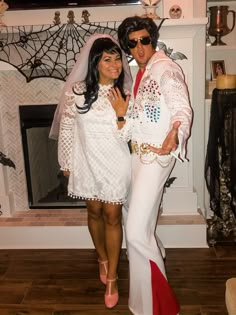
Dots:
pixel 47 50
pixel 51 50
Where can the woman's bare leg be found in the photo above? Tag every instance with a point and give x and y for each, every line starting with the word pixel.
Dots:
pixel 113 237
pixel 97 229
pixel 104 223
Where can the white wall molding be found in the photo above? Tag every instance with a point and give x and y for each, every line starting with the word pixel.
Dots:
pixel 45 237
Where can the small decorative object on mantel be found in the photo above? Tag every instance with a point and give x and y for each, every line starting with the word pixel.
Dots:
pixel 150 7
pixel 175 12
pixel 218 23
pixel 176 9
pixel 71 17
pixel 85 16
pixel 3 8
pixel 57 19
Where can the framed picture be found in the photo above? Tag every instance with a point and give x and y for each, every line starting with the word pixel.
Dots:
pixel 217 68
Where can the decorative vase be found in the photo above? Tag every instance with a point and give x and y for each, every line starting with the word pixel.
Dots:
pixel 218 23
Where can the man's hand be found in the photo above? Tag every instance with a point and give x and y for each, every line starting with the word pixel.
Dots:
pixel 170 143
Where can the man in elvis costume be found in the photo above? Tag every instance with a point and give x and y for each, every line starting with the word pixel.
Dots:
pixel 160 117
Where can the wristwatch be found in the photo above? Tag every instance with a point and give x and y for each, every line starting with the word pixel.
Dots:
pixel 120 118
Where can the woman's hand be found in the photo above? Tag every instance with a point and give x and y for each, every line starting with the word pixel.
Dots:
pixel 66 173
pixel 118 103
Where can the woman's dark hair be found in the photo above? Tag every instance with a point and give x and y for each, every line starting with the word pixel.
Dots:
pixel 99 46
pixel 133 24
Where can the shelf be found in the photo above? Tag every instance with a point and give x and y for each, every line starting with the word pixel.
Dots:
pixel 186 22
pixel 221 48
pixel 224 2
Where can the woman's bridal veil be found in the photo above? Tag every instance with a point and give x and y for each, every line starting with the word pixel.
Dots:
pixel 79 73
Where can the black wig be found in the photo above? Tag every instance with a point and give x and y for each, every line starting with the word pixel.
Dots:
pixel 99 46
pixel 133 24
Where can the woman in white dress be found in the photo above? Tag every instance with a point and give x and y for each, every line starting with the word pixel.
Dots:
pixel 93 149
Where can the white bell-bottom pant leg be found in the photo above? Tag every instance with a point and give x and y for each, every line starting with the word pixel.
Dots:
pixel 149 292
pixel 125 210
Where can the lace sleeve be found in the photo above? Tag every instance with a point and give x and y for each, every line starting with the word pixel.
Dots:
pixel 125 132
pixel 65 141
pixel 175 93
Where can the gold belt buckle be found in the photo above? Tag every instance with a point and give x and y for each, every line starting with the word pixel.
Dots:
pixel 144 148
pixel 134 147
pixel 139 149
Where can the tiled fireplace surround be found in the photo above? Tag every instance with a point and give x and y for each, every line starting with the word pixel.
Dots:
pixel 14 92
pixel 183 201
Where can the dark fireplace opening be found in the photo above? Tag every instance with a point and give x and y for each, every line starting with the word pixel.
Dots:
pixel 46 185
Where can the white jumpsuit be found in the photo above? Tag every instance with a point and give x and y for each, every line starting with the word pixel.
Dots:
pixel 162 98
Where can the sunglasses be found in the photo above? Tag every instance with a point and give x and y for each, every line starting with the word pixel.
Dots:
pixel 132 43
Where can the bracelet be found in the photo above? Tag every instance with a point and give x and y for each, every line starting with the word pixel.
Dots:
pixel 120 118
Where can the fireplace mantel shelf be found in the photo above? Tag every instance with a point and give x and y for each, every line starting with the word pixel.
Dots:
pixel 168 22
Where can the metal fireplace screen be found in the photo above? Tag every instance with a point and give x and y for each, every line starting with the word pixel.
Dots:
pixel 47 187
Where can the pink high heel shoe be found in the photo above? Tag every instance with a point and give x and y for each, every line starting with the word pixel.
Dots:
pixel 111 299
pixel 104 263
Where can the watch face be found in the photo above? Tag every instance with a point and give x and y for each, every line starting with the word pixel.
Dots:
pixel 175 11
pixel 121 118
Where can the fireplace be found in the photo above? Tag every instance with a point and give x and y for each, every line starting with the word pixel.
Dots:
pixel 185 195
pixel 46 185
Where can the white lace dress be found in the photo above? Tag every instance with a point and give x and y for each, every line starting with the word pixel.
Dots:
pixel 92 148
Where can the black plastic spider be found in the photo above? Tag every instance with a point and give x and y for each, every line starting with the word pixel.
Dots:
pixel 61 45
pixel 37 63
pixel 23 41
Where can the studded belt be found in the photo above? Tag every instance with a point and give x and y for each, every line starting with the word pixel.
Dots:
pixel 147 156
pixel 140 148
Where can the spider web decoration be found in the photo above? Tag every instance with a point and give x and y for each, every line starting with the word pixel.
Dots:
pixel 51 50
pixel 48 50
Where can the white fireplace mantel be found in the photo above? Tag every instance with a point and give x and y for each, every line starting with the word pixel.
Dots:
pixel 186 195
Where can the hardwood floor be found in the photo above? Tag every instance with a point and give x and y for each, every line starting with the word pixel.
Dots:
pixel 65 282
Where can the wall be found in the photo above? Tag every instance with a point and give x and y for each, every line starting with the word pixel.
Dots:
pixel 186 196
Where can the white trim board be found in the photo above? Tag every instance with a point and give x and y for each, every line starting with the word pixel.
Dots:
pixel 48 237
